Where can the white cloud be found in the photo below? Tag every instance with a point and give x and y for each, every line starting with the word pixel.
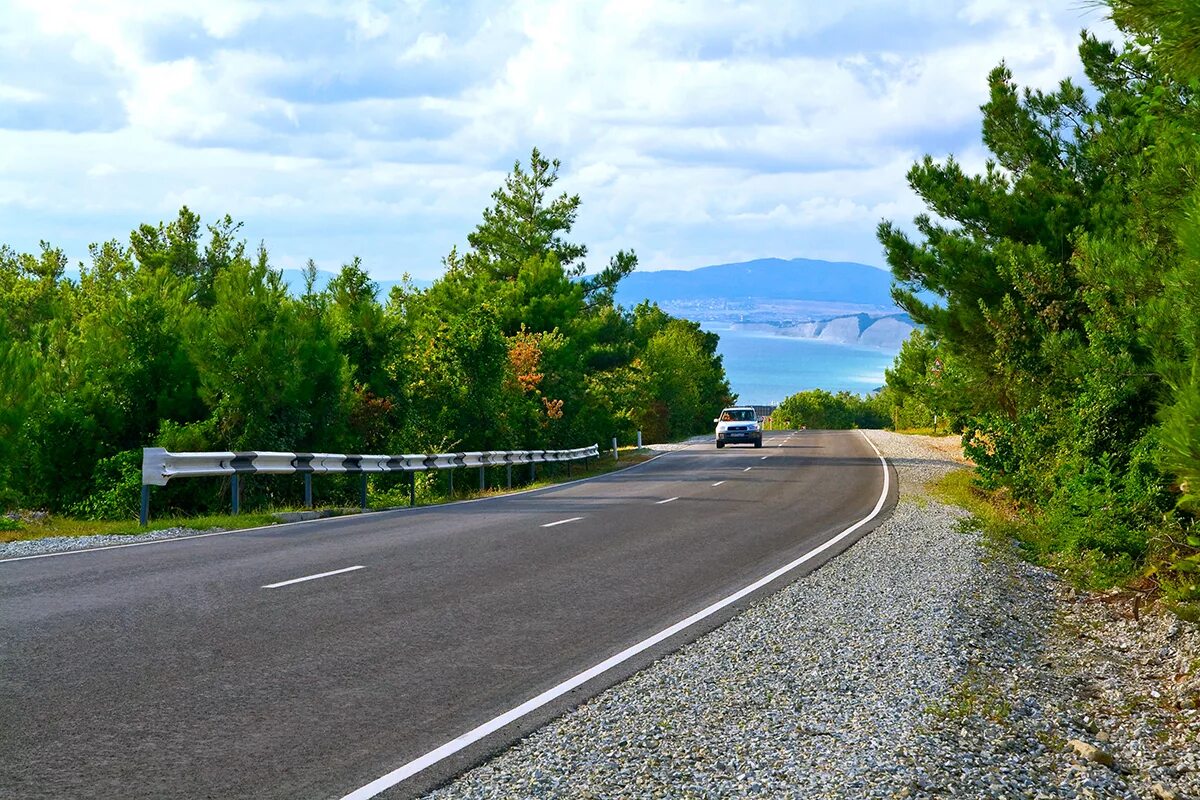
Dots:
pixel 427 47
pixel 696 133
pixel 17 94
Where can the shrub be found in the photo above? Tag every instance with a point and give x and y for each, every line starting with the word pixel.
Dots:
pixel 116 488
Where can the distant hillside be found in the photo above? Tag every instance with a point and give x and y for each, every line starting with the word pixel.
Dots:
pixel 863 330
pixel 764 279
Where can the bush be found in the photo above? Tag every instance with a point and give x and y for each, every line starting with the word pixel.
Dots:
pixel 820 409
pixel 116 488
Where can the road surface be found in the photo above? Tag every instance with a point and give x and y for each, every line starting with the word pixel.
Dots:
pixel 338 658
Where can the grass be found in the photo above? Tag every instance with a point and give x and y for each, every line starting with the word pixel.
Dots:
pixel 995 512
pixel 40 527
pixel 54 525
pixel 975 696
pixel 1001 520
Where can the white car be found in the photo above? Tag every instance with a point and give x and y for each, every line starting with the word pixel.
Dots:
pixel 738 425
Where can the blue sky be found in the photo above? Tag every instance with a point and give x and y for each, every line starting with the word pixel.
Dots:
pixel 696 132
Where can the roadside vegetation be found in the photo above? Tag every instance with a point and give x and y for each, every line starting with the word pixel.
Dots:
pixel 817 408
pixel 1065 344
pixel 184 336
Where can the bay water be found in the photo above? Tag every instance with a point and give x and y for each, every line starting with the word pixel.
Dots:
pixel 763 368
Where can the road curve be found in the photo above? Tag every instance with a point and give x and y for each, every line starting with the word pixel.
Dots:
pixel 314 660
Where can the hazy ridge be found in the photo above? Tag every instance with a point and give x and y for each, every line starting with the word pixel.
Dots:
pixel 838 302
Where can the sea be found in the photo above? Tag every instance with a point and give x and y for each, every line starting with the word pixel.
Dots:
pixel 763 368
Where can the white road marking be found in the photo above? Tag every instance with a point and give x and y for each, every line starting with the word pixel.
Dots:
pixel 718 483
pixel 668 500
pixel 496 723
pixel 311 577
pixel 561 522
pixel 747 469
pixel 764 458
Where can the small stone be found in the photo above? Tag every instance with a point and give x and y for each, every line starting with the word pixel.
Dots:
pixel 1165 793
pixel 1090 752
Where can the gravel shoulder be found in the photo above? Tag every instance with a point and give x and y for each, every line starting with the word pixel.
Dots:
pixel 923 662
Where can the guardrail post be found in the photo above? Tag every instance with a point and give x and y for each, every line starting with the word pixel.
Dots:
pixel 482 480
pixel 235 490
pixel 308 490
pixel 532 471
pixel 364 491
pixel 452 481
pixel 508 472
pixel 568 468
pixel 639 440
pixel 615 456
pixel 412 489
pixel 145 516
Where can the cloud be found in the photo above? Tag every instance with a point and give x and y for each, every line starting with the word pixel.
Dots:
pixel 695 132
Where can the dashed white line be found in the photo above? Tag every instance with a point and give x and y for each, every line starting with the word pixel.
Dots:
pixel 747 469
pixel 561 522
pixel 718 483
pixel 311 577
pixel 668 500
pixel 764 458
pixel 456 744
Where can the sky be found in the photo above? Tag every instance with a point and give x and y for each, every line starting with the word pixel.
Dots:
pixel 696 133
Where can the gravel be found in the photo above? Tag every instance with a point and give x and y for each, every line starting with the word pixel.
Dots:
pixel 923 662
pixel 62 544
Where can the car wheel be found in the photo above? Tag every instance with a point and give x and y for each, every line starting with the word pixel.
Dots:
pixel 758 442
pixel 720 445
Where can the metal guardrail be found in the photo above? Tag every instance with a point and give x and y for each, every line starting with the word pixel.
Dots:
pixel 159 466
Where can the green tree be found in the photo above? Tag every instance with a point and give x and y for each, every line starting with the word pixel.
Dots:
pixel 1055 270
pixel 524 223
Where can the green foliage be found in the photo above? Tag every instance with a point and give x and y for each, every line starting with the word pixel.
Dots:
pixel 187 340
pixel 116 488
pixel 822 410
pixel 1065 345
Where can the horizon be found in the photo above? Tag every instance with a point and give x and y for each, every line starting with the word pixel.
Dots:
pixel 694 137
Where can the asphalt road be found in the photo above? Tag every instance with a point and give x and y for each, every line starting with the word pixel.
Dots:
pixel 169 670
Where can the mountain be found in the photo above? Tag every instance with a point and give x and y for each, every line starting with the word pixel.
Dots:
pixel 801 279
pixel 838 302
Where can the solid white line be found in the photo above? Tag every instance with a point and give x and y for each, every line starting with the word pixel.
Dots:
pixel 668 500
pixel 718 483
pixel 747 469
pixel 561 522
pixel 496 723
pixel 311 577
